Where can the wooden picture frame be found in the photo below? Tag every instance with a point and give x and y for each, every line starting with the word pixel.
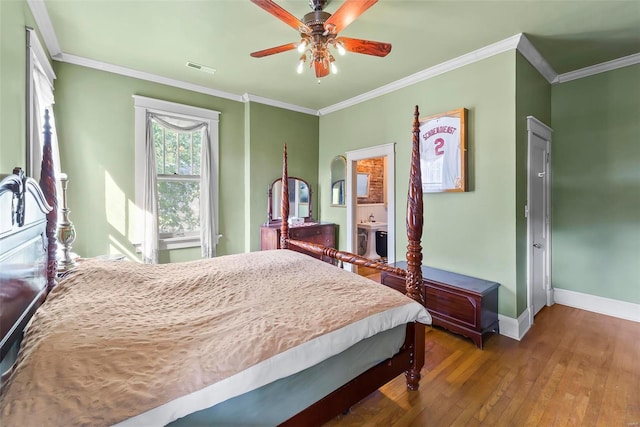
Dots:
pixel 443 151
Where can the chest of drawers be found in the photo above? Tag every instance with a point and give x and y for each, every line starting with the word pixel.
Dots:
pixel 320 233
pixel 462 304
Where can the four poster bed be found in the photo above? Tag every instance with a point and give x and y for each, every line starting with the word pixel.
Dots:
pixel 264 338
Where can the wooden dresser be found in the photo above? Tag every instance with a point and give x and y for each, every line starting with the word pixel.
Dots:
pixel 315 232
pixel 462 304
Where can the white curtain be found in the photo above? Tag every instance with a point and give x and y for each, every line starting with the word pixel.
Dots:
pixel 208 233
pixel 43 100
pixel 150 200
pixel 208 183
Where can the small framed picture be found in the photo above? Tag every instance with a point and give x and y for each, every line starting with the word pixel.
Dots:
pixel 443 152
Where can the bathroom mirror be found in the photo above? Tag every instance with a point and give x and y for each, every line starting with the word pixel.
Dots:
pixel 338 174
pixel 363 185
pixel 299 200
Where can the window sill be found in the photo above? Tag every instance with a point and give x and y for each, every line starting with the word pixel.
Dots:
pixel 179 243
pixel 170 243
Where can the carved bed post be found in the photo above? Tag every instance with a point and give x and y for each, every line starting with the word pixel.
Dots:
pixel 48 186
pixel 414 251
pixel 284 204
pixel 414 218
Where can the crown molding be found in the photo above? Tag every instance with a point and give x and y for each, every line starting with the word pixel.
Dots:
pixel 129 72
pixel 248 97
pixel 531 54
pixel 517 42
pixel 444 67
pixel 43 21
pixel 599 68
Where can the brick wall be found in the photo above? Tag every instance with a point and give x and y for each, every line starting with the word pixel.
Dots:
pixel 375 168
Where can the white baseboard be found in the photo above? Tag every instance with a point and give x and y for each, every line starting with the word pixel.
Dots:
pixel 515 328
pixel 610 307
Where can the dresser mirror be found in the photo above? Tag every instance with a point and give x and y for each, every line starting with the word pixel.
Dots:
pixel 299 200
pixel 338 174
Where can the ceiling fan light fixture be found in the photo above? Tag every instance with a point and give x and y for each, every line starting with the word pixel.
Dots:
pixel 332 63
pixel 300 67
pixel 303 45
pixel 319 34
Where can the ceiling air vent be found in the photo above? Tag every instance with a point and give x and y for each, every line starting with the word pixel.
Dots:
pixel 202 68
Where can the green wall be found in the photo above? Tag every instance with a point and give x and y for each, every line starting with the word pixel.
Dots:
pixel 14 17
pixel 533 98
pixel 596 185
pixel 471 233
pixel 95 121
pixel 595 155
pixel 269 129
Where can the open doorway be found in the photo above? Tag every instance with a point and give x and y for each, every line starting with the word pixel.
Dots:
pixel 357 216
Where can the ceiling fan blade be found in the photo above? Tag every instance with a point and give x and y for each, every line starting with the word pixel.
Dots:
pixel 272 50
pixel 346 14
pixel 366 47
pixel 322 68
pixel 281 14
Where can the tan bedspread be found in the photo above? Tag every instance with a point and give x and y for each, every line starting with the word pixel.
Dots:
pixel 116 339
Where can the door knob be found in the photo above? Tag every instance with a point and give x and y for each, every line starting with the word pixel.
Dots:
pixel 537 245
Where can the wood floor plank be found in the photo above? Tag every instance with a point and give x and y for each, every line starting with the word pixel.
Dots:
pixel 573 368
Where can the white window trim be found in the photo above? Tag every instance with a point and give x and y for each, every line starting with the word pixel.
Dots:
pixel 36 57
pixel 144 105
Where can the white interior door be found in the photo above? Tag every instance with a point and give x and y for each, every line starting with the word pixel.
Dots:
pixel 539 216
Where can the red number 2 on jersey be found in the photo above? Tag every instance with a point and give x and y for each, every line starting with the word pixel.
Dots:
pixel 439 144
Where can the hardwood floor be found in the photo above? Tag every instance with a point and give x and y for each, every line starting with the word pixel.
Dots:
pixel 370 273
pixel 573 368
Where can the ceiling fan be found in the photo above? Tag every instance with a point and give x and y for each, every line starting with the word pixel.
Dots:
pixel 319 31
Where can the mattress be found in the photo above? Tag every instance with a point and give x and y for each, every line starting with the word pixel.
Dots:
pixel 135 345
pixel 278 401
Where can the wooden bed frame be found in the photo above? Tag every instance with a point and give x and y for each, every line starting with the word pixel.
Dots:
pixel 409 360
pixel 24 290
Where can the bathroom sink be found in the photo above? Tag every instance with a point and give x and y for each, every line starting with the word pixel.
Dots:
pixel 372 225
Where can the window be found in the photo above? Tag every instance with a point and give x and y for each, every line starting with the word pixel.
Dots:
pixel 178 170
pixel 176 176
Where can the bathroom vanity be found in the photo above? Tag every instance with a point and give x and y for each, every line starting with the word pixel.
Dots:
pixel 369 229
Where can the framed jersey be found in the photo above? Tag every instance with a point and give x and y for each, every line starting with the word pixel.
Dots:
pixel 443 151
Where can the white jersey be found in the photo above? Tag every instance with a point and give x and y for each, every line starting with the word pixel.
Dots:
pixel 440 154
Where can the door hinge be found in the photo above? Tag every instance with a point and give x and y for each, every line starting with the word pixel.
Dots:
pixel 526 211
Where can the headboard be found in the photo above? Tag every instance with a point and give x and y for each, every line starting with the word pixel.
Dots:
pixel 28 267
pixel 23 254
